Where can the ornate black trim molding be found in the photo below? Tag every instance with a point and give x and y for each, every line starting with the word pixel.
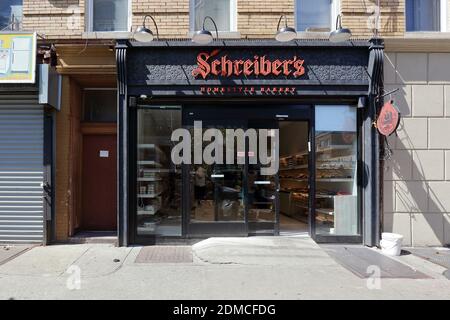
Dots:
pixel 121 60
pixel 122 142
pixel 371 146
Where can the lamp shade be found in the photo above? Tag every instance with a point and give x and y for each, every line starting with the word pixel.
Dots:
pixel 340 35
pixel 143 34
pixel 286 34
pixel 202 37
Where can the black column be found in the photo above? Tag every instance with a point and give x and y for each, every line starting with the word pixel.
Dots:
pixel 122 143
pixel 371 147
pixel 49 177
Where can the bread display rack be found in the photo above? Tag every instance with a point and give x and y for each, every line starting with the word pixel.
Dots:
pixel 336 200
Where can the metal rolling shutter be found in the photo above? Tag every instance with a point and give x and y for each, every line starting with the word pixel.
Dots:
pixel 21 169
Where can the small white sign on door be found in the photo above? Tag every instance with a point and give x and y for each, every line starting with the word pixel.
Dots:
pixel 104 154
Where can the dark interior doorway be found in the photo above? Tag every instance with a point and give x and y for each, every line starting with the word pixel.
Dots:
pixel 294 177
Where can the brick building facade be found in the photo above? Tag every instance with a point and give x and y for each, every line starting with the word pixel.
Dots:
pixel 416 179
pixel 66 19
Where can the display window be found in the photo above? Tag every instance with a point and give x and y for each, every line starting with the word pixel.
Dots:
pixel 336 153
pixel 158 180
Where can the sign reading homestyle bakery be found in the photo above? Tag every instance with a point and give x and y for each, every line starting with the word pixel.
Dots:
pixel 260 66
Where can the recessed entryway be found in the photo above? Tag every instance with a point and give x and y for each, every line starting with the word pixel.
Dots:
pixel 98 209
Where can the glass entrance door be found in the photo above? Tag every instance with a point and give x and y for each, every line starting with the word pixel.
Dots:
pixel 217 176
pixel 263 185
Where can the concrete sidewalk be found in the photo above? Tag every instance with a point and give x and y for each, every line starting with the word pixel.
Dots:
pixel 223 268
pixel 264 251
pixel 9 252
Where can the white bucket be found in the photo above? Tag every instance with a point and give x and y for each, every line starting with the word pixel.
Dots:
pixel 391 243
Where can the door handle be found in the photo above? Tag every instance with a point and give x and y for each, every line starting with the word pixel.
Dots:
pixel 262 182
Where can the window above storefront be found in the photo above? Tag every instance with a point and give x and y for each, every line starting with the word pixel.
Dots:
pixel 99 105
pixel 426 15
pixel 10 15
pixel 108 15
pixel 315 15
pixel 222 11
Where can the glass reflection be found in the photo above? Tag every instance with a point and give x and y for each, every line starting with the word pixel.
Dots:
pixel 159 184
pixel 336 171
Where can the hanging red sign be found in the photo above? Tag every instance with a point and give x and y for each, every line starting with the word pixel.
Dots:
pixel 388 119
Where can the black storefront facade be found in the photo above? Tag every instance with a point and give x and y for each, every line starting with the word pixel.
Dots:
pixel 327 179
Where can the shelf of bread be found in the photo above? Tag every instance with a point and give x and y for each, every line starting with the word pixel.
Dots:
pixel 162 170
pixel 336 163
pixel 303 166
pixel 296 161
pixel 148 179
pixel 322 214
pixel 324 218
pixel 150 163
pixel 150 146
pixel 149 210
pixel 347 162
pixel 149 195
pixel 332 148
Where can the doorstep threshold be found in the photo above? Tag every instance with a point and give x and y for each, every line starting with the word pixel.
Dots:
pixel 105 237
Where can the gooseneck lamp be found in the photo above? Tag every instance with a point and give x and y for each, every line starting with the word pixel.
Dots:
pixel 144 34
pixel 205 36
pixel 340 34
pixel 286 33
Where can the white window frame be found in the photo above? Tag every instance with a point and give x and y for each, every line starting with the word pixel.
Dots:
pixel 335 11
pixel 444 15
pixel 233 17
pixel 443 19
pixel 90 18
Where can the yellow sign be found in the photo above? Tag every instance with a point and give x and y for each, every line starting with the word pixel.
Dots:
pixel 17 57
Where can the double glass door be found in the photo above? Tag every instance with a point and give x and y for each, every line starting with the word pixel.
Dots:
pixel 233 189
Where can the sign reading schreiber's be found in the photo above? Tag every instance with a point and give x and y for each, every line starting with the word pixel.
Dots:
pixel 208 64
pixel 258 66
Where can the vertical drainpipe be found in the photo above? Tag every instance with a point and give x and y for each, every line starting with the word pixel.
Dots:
pixel 122 143
pixel 371 153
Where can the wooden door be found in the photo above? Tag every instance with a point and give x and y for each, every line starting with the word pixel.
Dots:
pixel 99 183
